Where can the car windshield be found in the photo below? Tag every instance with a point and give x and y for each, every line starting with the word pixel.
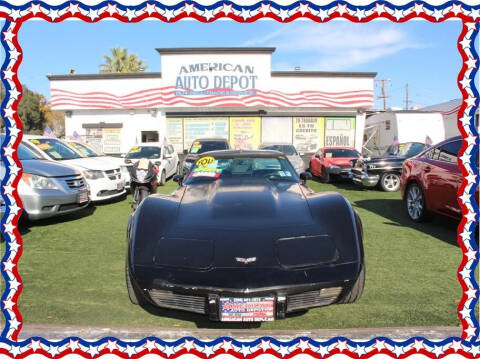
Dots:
pixel 405 149
pixel 23 152
pixel 244 167
pixel 341 153
pixel 54 148
pixel 84 150
pixel 288 150
pixel 205 146
pixel 151 152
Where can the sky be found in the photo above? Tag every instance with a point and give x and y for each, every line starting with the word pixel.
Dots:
pixel 417 53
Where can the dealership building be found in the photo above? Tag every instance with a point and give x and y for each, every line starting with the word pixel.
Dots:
pixel 215 92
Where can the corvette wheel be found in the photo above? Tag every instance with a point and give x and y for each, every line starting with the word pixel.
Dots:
pixel 133 293
pixel 390 182
pixel 415 201
pixel 356 291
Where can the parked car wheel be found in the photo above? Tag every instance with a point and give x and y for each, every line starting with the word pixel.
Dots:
pixel 163 178
pixel 390 182
pixel 133 293
pixel 356 291
pixel 325 175
pixel 415 201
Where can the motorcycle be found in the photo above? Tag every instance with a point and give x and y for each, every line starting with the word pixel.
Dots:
pixel 143 180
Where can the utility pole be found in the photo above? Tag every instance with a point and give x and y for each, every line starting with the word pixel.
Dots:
pixel 384 94
pixel 406 97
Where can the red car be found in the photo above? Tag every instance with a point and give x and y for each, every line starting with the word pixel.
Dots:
pixel 335 161
pixel 430 181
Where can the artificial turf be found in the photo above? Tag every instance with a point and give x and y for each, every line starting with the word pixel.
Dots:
pixel 73 270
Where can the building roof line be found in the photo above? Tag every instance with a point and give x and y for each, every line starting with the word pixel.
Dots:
pixel 207 50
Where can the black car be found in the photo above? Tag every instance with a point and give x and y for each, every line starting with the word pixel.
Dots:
pixel 202 145
pixel 385 170
pixel 244 239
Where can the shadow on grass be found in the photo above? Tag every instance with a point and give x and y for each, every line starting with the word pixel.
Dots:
pixel 25 224
pixel 341 183
pixel 394 211
pixel 202 321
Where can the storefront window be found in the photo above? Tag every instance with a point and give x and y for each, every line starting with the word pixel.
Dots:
pixel 149 136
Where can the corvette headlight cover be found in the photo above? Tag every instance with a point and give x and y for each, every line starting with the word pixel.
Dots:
pixel 39 182
pixel 93 174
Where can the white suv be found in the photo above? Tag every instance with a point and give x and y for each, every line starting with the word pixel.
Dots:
pixel 104 179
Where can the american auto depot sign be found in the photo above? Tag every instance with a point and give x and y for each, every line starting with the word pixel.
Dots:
pixel 211 78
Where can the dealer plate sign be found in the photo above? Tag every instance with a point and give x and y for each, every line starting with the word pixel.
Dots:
pixel 259 309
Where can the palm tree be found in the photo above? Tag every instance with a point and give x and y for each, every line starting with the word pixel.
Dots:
pixel 121 61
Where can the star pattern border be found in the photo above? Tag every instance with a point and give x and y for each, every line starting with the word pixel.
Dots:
pixel 467 346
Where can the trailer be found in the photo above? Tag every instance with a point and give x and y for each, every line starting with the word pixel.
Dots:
pixel 382 129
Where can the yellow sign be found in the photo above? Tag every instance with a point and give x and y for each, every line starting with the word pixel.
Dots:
pixel 245 133
pixel 205 161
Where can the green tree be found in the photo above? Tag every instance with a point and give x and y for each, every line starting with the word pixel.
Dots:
pixel 29 110
pixel 121 61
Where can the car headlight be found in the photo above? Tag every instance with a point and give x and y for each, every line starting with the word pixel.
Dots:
pixel 39 182
pixel 93 174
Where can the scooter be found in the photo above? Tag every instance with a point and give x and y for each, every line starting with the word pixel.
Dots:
pixel 143 180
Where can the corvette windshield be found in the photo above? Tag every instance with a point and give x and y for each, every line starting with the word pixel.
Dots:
pixel 54 148
pixel 248 167
pixel 205 146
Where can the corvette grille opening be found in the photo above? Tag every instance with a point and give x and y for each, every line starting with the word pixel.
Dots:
pixel 190 303
pixel 315 298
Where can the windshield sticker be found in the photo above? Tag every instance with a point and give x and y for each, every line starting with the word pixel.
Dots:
pixel 328 155
pixel 205 161
pixel 55 154
pixel 35 141
pixel 211 174
pixel 134 149
pixel 44 146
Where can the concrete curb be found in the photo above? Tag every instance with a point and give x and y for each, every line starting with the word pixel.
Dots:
pixel 59 331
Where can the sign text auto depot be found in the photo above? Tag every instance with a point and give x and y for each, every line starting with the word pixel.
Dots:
pixel 215 78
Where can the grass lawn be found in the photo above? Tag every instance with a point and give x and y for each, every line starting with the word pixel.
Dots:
pixel 73 271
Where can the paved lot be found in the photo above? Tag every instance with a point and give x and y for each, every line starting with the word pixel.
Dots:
pixel 57 332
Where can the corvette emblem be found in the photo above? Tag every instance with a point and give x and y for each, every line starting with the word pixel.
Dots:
pixel 246 260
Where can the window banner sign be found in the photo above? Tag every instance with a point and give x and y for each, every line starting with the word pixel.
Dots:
pixel 245 133
pixel 175 133
pixel 276 129
pixel 308 133
pixel 340 132
pixel 203 127
pixel 111 140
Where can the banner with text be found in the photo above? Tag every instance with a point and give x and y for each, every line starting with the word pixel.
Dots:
pixel 308 133
pixel 245 133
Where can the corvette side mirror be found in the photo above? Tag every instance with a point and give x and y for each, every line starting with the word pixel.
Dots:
pixel 304 176
pixel 317 155
pixel 178 178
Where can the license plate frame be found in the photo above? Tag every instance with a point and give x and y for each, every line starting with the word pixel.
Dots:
pixel 82 197
pixel 247 309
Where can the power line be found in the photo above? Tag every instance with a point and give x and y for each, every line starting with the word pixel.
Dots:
pixel 383 96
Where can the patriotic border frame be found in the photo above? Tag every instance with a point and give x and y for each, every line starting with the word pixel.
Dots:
pixel 466 346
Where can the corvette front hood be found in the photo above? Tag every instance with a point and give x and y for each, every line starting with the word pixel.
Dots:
pixel 233 205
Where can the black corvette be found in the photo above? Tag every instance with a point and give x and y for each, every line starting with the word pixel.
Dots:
pixel 244 239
